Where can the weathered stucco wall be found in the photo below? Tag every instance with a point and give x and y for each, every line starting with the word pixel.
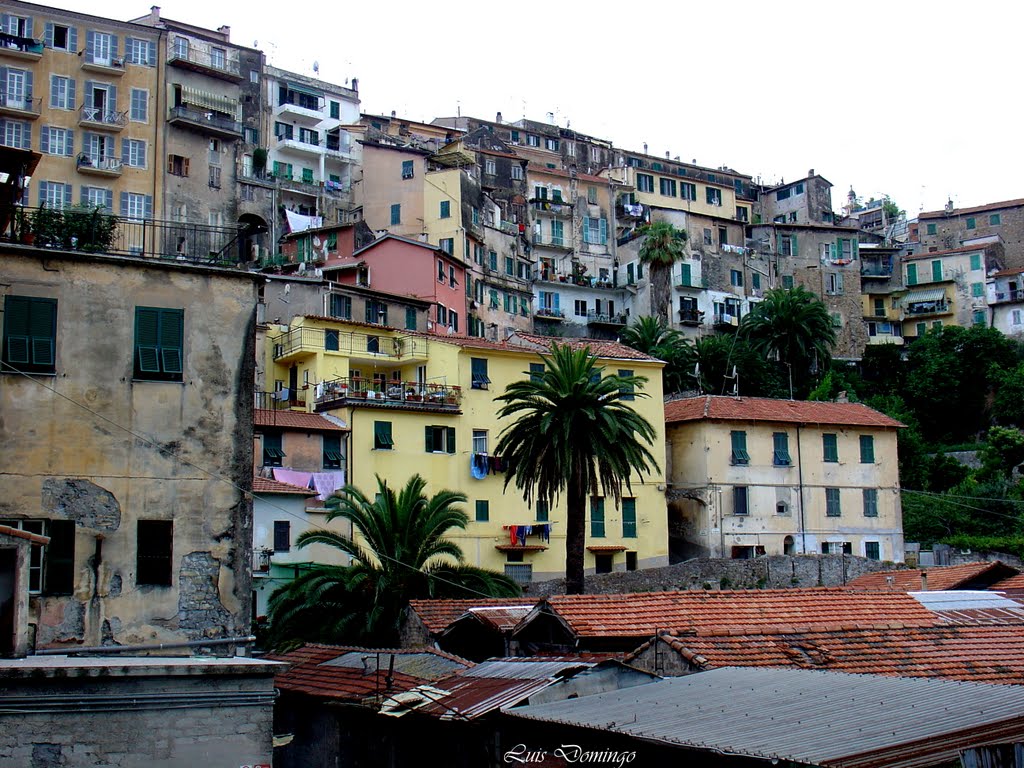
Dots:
pixel 91 444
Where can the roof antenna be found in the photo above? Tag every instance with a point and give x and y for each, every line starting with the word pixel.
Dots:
pixel 735 378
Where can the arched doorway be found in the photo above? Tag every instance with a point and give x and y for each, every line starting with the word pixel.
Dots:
pixel 253 232
pixel 788 546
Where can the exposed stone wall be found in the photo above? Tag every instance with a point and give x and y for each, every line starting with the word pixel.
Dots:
pixel 775 572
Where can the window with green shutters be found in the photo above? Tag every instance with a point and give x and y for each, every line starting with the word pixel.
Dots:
pixel 478 372
pixel 740 500
pixel 410 319
pixel 931 229
pixel 685 274
pixel 332 451
pixel 921 328
pixel 975 261
pixel 867 449
pixel 307 175
pixel 597 517
pixel 995 219
pixel 979 317
pixel 332 340
pixel 272 451
pixel 780 449
pixel 739 447
pixel 936 270
pixel 159 340
pixel 542 511
pixel 977 289
pixel 536 371
pixel 872 550
pixel 382 440
pixel 446 209
pixel 626 391
pixel 396 214
pixel 832 508
pixel 830 448
pixel 870 502
pixel 787 282
pixel 629 518
pixel 341 306
pixel 755 281
pixel 972 223
pixel 30 334
pixel 911 274
pixel 483 510
pixel 492 260
pixel 439 439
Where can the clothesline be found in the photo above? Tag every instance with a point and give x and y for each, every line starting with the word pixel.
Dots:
pixel 517 533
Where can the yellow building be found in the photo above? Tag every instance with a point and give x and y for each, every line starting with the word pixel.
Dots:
pixel 948 288
pixel 755 476
pixel 415 403
pixel 85 92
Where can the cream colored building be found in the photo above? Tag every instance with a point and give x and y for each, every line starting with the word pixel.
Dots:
pixel 756 476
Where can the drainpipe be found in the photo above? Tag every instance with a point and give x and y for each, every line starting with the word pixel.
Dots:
pixel 800 499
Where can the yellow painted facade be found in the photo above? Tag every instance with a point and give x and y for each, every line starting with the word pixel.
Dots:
pixel 93 85
pixel 808 504
pixel 680 193
pixel 444 187
pixel 419 391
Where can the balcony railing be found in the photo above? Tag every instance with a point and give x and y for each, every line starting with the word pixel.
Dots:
pixel 918 309
pixel 104 118
pixel 548 313
pixel 553 242
pixel 215 63
pixel 104 166
pixel 691 316
pixel 603 318
pixel 355 390
pixel 95 231
pixel 303 340
pixel 261 560
pixel 1009 296
pixel 875 270
pixel 20 47
pixel 211 122
pixel 557 207
pixel 281 400
pixel 21 104
pixel 726 319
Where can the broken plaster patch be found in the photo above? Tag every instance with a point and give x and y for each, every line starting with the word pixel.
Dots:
pixel 88 504
pixel 200 611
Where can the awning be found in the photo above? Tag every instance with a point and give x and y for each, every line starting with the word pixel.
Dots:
pixel 305 89
pixel 932 294
pixel 203 100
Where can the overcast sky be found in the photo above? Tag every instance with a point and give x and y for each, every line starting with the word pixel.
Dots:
pixel 920 101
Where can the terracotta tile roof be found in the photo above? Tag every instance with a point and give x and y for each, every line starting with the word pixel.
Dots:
pixel 1012 584
pixel 351 674
pixel 646 614
pixel 266 485
pixel 609 349
pixel 540 169
pixel 17 533
pixel 500 618
pixel 949 252
pixel 976 653
pixel 769 409
pixel 436 615
pixel 948 577
pixel 1013 272
pixel 286 419
pixel 976 209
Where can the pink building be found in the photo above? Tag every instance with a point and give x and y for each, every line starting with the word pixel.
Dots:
pixel 404 267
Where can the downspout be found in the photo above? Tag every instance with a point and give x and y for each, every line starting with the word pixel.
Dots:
pixel 161 127
pixel 800 499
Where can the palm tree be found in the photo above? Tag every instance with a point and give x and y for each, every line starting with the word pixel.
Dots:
pixel 792 326
pixel 402 554
pixel 661 249
pixel 574 432
pixel 651 336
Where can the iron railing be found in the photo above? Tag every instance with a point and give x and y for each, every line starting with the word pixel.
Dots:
pixel 206 118
pixel 383 347
pixel 281 400
pixel 100 116
pixel 219 62
pixel 23 44
pixel 603 318
pixel 355 389
pixel 21 103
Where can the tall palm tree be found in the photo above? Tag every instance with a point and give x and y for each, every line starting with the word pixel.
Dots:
pixel 574 433
pixel 793 326
pixel 661 249
pixel 402 554
pixel 651 336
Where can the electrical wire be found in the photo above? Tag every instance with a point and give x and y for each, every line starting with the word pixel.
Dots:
pixel 221 478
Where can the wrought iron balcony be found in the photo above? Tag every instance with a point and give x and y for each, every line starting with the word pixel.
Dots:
pixel 380 392
pixel 205 121
pixel 103 119
pixel 20 106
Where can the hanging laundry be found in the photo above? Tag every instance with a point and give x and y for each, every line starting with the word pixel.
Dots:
pixel 326 483
pixel 544 531
pixel 290 476
pixel 478 466
pixel 513 534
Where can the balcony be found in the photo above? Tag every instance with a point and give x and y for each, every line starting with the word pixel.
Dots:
pixel 102 119
pixel 19 106
pixel 301 112
pixel 98 166
pixel 602 318
pixel 306 342
pixel 885 339
pixel 1007 297
pixel 549 314
pixel 298 145
pixel 215 63
pixel 25 48
pixel 726 321
pixel 874 271
pixel 560 243
pixel 281 400
pixel 349 391
pixel 261 560
pixel 204 121
pixel 691 316
pixel 339 150
pixel 111 66
pixel 926 308
pixel 629 212
pixel 554 207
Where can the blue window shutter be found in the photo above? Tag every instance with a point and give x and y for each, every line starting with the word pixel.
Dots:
pixel 151 61
pixel 90 44
pixel 148 210
pixel 44 139
pixel 28 27
pixel 113 46
pixel 124 151
pixel 557 301
pixel 71 93
pixel 68 191
pixel 43 185
pixel 3 79
pixel 124 203
pixel 70 147
pixel 48 35
pixel 109 197
pixel 88 94
pixel 28 85
pixel 128 46
pixel 112 101
pixel 73 39
pixel 83 197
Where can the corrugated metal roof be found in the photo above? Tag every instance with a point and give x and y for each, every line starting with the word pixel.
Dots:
pixel 524 669
pixel 960 599
pixel 822 718
pixel 425 665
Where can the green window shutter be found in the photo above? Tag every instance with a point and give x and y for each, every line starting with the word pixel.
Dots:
pixel 147 330
pixel 787 282
pixel 830 448
pixel 30 332
pixel 597 518
pixel 450 439
pixel 832 508
pixel 428 439
pixel 483 510
pixel 936 270
pixel 911 274
pixel 382 435
pixel 867 449
pixel 542 511
pixel 629 518
pixel 780 445
pixel 870 502
pixel 975 261
pixel 686 274
pixel 536 371
pixel 59 578
pixel 171 337
pixel 792 245
pixel 410 319
pixel 17 338
pixel 738 439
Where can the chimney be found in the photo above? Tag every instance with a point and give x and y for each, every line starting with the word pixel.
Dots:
pixel 154 13
pixel 810 173
pixel 498 118
pixel 226 31
pixel 668 155
pixel 645 147
pixel 949 206
pixel 392 114
pixel 355 84
pixel 924 581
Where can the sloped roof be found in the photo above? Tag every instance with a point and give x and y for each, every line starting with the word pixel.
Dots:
pixel 720 408
pixel 1011 585
pixel 355 674
pixel 287 419
pixel 803 716
pixel 437 615
pixel 645 614
pixel 266 485
pixel 980 653
pixel 976 209
pixel 942 578
pixel 610 349
pixel 500 618
pixel 948 252
pixel 972 606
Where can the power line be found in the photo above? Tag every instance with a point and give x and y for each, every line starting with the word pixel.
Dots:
pixel 217 476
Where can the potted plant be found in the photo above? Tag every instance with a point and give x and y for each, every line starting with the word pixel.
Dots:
pixel 24 224
pixel 48 225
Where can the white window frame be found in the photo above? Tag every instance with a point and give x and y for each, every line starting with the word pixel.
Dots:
pixel 136 206
pixel 479 441
pixel 59 92
pixel 62 137
pixel 103 42
pixel 136 153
